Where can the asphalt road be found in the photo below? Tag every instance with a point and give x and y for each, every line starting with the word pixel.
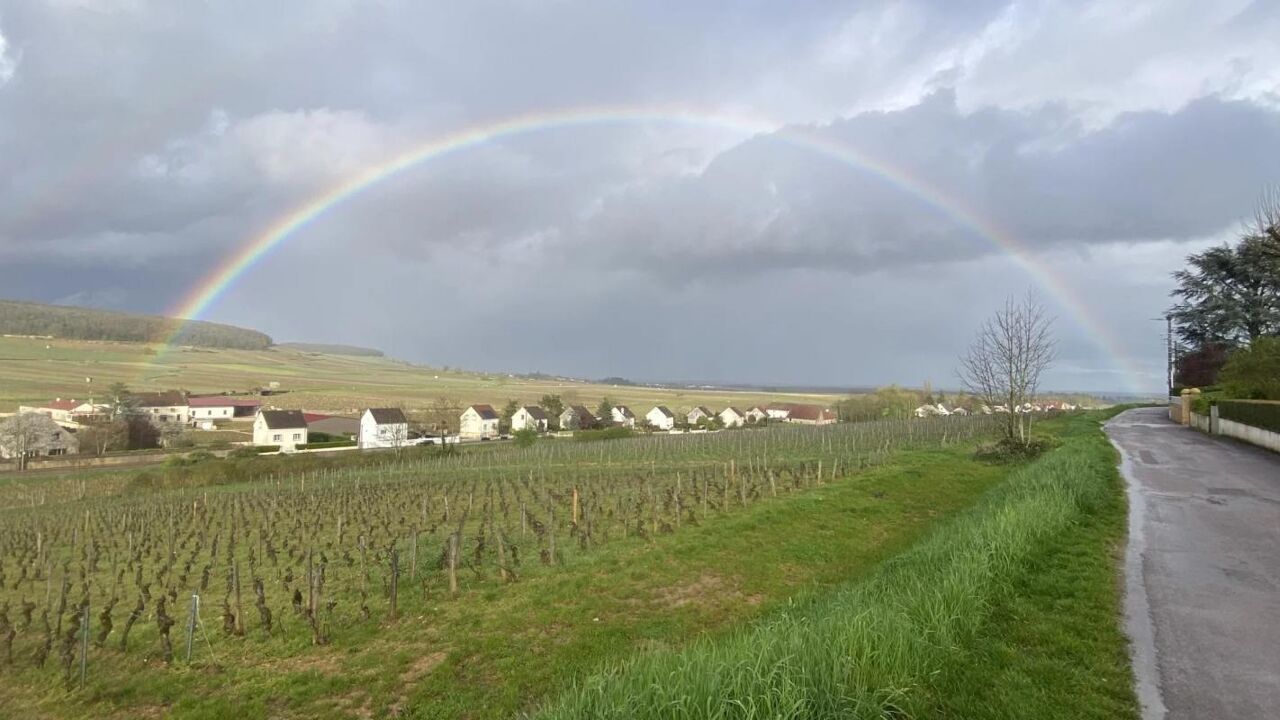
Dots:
pixel 1202 571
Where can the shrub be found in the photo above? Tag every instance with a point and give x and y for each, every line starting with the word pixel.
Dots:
pixel 1265 415
pixel 327 444
pixel 1253 373
pixel 610 433
pixel 525 438
pixel 1009 450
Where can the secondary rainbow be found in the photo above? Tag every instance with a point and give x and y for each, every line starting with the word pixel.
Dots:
pixel 224 276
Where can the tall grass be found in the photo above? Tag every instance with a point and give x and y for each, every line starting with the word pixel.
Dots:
pixel 868 650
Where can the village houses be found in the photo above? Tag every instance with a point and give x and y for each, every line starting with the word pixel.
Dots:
pixel 207 411
pixel 697 414
pixel 577 417
pixel 623 416
pixel 170 406
pixel 284 428
pixel 383 428
pixel 530 417
pixel 757 414
pixel 32 434
pixel 732 417
pixel 661 418
pixel 479 422
pixel 69 411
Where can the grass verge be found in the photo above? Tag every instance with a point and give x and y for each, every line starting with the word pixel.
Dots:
pixel 982 618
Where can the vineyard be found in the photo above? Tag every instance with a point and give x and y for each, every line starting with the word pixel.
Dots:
pixel 90 573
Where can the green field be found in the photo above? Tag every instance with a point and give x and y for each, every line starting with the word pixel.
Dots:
pixel 36 370
pixel 677 545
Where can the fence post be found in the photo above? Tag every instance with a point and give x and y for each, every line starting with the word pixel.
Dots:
pixel 191 623
pixel 84 645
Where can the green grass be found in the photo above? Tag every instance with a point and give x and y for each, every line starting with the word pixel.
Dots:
pixel 497 651
pixel 942 630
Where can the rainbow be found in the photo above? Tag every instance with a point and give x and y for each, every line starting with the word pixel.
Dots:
pixel 207 292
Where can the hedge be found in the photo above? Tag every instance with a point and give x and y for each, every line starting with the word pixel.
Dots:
pixel 328 444
pixel 1257 413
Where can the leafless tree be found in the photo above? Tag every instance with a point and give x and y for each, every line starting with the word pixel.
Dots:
pixel 1004 364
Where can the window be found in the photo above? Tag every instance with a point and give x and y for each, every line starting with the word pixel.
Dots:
pixel 297 437
pixel 275 438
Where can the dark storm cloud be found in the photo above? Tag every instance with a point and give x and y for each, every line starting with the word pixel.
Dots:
pixel 142 142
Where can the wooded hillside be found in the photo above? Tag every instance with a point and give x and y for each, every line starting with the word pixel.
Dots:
pixel 25 318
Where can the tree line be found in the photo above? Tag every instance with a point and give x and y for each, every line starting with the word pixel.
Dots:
pixel 75 323
pixel 1226 318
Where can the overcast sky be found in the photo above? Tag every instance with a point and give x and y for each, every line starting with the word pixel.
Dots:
pixel 142 143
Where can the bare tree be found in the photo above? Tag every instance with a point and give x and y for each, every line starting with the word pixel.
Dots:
pixel 1004 364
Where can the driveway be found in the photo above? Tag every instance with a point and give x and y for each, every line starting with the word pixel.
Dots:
pixel 1202 571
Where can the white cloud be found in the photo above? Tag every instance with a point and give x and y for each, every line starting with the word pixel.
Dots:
pixel 8 62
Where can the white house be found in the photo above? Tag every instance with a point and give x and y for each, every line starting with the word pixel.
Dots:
pixel 577 417
pixel 959 411
pixel 383 428
pixel 661 418
pixel 478 422
pixel 623 416
pixel 171 406
pixel 286 428
pixel 530 417
pixel 206 412
pixel 804 414
pixel 733 417
pixel 778 411
pixel 32 434
pixel 757 414
pixel 698 413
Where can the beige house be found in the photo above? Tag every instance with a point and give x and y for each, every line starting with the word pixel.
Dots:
pixel 530 417
pixel 170 406
pixel 757 414
pixel 577 417
pixel 30 434
pixel 699 413
pixel 285 428
pixel 478 422
pixel 661 418
pixel 733 417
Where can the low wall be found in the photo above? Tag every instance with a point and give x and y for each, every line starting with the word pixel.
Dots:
pixel 1250 434
pixel 1202 423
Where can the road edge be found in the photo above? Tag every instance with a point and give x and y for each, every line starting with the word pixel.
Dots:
pixel 1138 626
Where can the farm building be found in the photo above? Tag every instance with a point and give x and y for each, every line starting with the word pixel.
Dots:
pixel 170 406
pixel 757 414
pixel 335 425
pixel 383 428
pixel 778 411
pixel 478 422
pixel 699 413
pixel 577 417
pixel 33 434
pixel 69 411
pixel 802 414
pixel 286 428
pixel 661 418
pixel 733 417
pixel 530 417
pixel 208 410
pixel 623 416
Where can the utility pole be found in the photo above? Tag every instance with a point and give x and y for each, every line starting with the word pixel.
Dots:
pixel 1169 350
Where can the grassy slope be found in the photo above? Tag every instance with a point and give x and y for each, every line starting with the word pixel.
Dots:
pixel 327 383
pixel 499 650
pixel 1009 611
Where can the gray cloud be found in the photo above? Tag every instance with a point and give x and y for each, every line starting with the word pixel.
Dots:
pixel 142 142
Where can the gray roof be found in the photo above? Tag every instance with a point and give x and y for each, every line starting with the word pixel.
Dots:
pixel 666 412
pixel 388 416
pixel 535 412
pixel 485 411
pixel 284 419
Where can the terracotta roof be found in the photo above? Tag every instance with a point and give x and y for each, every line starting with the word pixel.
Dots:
pixel 314 417
pixel 810 412
pixel 535 412
pixel 284 419
pixel 388 416
pixel 486 412
pixel 61 405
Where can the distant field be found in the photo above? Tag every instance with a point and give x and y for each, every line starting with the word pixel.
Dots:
pixel 37 369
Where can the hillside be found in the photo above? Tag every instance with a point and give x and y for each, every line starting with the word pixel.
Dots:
pixel 76 323
pixel 332 349
pixel 37 369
